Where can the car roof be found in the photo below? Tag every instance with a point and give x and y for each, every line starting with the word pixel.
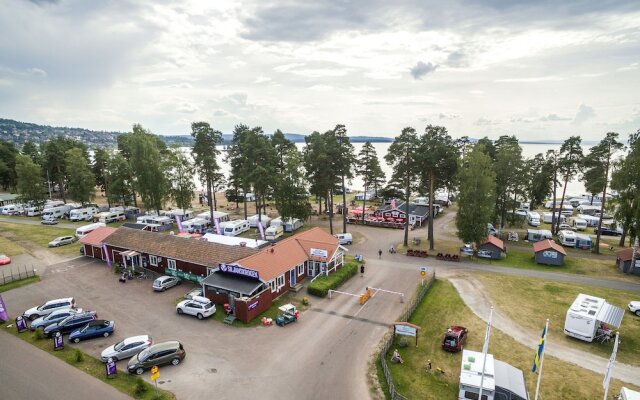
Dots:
pixel 69 299
pixel 456 329
pixel 173 344
pixel 139 338
pixel 165 277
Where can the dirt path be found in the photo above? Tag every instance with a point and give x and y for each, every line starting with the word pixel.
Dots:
pixel 472 293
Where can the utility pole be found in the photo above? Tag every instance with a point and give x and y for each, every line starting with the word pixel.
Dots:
pixel 49 184
pixel 634 248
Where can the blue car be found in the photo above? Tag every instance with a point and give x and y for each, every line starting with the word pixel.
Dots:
pixel 98 327
pixel 53 318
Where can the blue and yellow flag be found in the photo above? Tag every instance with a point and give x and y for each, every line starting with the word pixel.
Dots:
pixel 536 362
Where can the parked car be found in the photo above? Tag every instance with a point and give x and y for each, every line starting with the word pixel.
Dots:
pixel 71 323
pixel 165 282
pixel 127 348
pixel 95 328
pixel 289 314
pixel 49 307
pixel 53 318
pixel 634 307
pixel 62 240
pixel 193 293
pixel 159 354
pixel 5 259
pixel 454 338
pixel 49 221
pixel 566 227
pixel 607 231
pixel 198 306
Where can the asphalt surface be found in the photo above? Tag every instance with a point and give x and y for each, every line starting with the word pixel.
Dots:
pixel 29 373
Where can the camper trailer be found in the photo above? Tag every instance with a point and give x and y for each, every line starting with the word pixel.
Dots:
pixel 253 220
pixel 221 216
pixel 588 209
pixel 591 220
pixel 87 229
pixel 273 232
pixel 12 209
pixel 549 218
pixel 82 214
pixel 159 223
pixel 195 225
pixel 33 211
pixel 501 380
pixel 587 317
pixel 53 203
pixel 579 224
pixel 290 225
pixel 111 216
pixel 583 242
pixel 234 228
pixel 533 218
pixel 567 238
pixel 535 235
pixel 184 215
pixel 55 212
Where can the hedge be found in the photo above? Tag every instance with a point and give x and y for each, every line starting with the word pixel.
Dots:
pixel 320 287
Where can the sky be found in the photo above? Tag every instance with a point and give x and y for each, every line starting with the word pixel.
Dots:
pixel 536 69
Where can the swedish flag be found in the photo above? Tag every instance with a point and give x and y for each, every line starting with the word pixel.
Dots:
pixel 536 362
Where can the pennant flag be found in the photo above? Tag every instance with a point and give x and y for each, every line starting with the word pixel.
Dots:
pixel 106 255
pixel 536 361
pixel 612 360
pixel 179 223
pixel 261 229
pixel 4 315
pixel 216 222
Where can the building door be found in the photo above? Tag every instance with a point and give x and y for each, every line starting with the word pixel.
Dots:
pixel 310 269
pixel 232 299
pixel 318 267
pixel 292 277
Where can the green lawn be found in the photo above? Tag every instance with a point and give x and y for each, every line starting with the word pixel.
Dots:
pixel 21 282
pixel 39 235
pixel 443 307
pixel 551 300
pixel 122 381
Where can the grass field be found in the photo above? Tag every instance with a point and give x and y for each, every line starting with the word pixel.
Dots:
pixel 38 235
pixel 443 307
pixel 21 282
pixel 551 300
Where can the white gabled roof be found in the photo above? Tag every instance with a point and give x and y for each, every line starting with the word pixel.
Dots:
pixel 471 370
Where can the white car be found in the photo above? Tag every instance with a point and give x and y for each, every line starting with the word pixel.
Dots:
pixel 165 282
pixel 62 240
pixel 198 306
pixel 634 307
pixel 127 348
pixel 49 307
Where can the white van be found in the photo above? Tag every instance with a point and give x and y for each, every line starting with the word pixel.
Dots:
pixel 234 228
pixel 33 211
pixel 579 223
pixel 109 217
pixel 273 232
pixel 253 220
pixel 12 209
pixel 87 229
pixel 533 218
pixel 344 238
pixel 82 214
pixel 567 238
pixel 54 212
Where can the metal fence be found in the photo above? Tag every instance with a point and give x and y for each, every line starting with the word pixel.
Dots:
pixel 23 272
pixel 387 341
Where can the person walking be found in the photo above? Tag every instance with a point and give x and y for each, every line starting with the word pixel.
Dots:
pixel 379 253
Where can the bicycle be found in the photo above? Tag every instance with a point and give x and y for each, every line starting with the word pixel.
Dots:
pixel 141 276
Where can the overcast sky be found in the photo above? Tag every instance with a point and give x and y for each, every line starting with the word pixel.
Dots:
pixel 537 69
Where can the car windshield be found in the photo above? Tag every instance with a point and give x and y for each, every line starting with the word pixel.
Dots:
pixel 158 282
pixel 64 321
pixel 144 354
pixel 51 316
pixel 118 346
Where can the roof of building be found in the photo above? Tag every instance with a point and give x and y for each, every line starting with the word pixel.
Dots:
pixel 170 246
pixel 97 236
pixel 548 244
pixel 244 286
pixel 627 254
pixel 496 242
pixel 8 196
pixel 290 252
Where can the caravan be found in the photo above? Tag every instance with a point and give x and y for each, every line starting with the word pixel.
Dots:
pixel 234 228
pixel 82 214
pixel 253 220
pixel 55 212
pixel 549 218
pixel 109 217
pixel 221 216
pixel 567 238
pixel 290 225
pixel 589 318
pixel 533 218
pixel 87 229
pixel 273 232
pixel 579 224
pixel 534 235
pixel 33 211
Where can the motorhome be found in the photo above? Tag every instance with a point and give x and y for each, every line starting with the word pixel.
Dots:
pixel 501 380
pixel 567 238
pixel 82 214
pixel 253 220
pixel 579 224
pixel 588 209
pixel 534 235
pixel 87 229
pixel 289 225
pixel 234 228
pixel 587 316
pixel 273 232
pixel 12 209
pixel 109 217
pixel 549 218
pixel 533 218
pixel 221 216
pixel 33 211
pixel 55 212
pixel 590 219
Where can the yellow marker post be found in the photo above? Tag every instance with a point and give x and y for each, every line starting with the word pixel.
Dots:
pixel 155 374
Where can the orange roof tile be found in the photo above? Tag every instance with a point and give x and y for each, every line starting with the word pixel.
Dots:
pixel 627 254
pixel 290 252
pixel 548 244
pixel 496 242
pixel 97 236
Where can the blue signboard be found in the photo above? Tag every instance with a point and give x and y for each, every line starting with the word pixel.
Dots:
pixel 58 343
pixel 252 305
pixel 238 270
pixel 21 324
pixel 111 367
pixel 4 315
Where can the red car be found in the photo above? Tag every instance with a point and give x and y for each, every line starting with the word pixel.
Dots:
pixel 454 338
pixel 4 259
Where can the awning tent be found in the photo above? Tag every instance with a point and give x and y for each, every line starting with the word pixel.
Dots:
pixel 244 286
pixel 129 253
pixel 610 315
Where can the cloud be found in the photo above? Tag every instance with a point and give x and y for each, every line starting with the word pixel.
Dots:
pixel 554 117
pixel 584 113
pixel 448 116
pixel 485 122
pixel 37 72
pixel 187 108
pixel 457 59
pixel 421 69
pixel 530 80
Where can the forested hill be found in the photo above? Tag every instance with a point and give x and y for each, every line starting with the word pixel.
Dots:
pixel 20 132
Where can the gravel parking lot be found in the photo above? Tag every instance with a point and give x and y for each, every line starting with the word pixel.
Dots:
pixel 324 355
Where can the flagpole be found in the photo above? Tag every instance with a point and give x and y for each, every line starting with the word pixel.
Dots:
pixel 546 332
pixel 607 375
pixel 485 349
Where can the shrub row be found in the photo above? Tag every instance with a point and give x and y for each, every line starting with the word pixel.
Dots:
pixel 320 287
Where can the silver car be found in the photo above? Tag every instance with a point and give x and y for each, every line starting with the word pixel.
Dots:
pixel 127 348
pixel 53 318
pixel 165 282
pixel 62 240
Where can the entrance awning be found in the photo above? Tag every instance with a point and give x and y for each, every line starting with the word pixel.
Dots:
pixel 610 315
pixel 129 253
pixel 232 283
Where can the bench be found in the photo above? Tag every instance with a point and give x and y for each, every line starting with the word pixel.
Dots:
pixel 229 319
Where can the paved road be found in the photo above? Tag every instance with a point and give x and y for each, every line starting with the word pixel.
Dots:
pixel 29 373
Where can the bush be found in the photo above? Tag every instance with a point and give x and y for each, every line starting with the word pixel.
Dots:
pixel 116 268
pixel 141 387
pixel 320 287
pixel 39 334
pixel 305 301
pixel 78 355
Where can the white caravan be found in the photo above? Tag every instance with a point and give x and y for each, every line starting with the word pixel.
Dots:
pixel 253 220
pixel 587 316
pixel 533 218
pixel 567 238
pixel 109 217
pixel 55 212
pixel 290 225
pixel 549 217
pixel 82 214
pixel 222 216
pixel 87 229
pixel 33 211
pixel 273 232
pixel 501 380
pixel 579 223
pixel 588 209
pixel 591 220
pixel 234 228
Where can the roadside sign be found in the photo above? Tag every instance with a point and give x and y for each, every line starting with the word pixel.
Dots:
pixel 155 374
pixel 154 369
pixel 21 325
pixel 423 271
pixel 111 368
pixel 58 343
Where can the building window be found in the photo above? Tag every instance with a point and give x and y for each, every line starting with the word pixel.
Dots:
pixel 272 285
pixel 171 264
pixel 301 269
pixel 280 281
pixel 153 260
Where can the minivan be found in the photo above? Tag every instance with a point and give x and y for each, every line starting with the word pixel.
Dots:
pixel 159 354
pixel 344 238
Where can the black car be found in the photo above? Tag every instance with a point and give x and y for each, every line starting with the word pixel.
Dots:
pixel 607 231
pixel 71 323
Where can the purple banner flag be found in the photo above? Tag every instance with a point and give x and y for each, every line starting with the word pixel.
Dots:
pixel 261 229
pixel 179 223
pixel 216 221
pixel 106 254
pixel 3 310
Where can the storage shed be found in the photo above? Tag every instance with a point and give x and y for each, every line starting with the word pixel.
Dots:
pixel 623 261
pixel 492 248
pixel 548 253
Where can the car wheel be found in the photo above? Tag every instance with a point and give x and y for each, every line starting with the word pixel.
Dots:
pixel 179 310
pixel 200 316
pixel 164 288
pixel 114 359
pixel 175 361
pixel 139 371
pixel 106 334
pixel 76 340
pixel 638 313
